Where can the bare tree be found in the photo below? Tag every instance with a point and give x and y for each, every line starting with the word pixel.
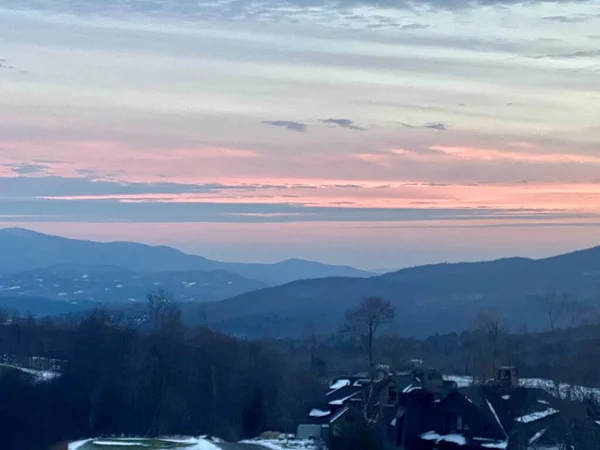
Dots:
pixel 489 327
pixel 365 320
pixel 551 306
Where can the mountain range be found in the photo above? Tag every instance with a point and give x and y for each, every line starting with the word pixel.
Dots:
pixel 23 250
pixel 52 275
pixel 440 298
pixel 75 274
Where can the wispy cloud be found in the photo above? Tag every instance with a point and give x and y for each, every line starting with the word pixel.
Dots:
pixel 288 125
pixel 570 55
pixel 439 126
pixel 414 26
pixel 343 123
pixel 27 168
pixel 578 18
pixel 482 154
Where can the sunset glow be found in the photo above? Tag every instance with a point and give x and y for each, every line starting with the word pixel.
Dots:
pixel 216 126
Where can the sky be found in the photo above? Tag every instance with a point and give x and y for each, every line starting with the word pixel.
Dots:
pixel 375 133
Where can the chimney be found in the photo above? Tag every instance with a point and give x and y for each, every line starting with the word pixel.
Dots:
pixel 507 376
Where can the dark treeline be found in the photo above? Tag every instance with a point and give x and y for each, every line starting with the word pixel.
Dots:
pixel 154 376
pixel 560 354
pixel 156 379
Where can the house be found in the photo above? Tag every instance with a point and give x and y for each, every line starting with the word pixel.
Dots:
pixel 419 410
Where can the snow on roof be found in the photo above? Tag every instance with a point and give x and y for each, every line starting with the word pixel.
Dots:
pixel 506 397
pixel 339 384
pixel 430 436
pixel 461 381
pixel 564 390
pixel 537 415
pixel 315 412
pixel 501 444
pixel 341 401
pixel 40 375
pixel 412 388
pixel 407 388
pixel 536 437
pixel 454 438
pixel 339 414
pixel 496 416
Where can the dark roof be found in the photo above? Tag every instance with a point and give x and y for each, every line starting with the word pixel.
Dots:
pixel 522 410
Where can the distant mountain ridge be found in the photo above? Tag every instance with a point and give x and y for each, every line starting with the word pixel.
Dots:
pixel 24 250
pixel 436 298
pixel 293 297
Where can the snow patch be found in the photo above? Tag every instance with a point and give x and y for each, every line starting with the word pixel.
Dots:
pixel 413 388
pixel 454 438
pixel 506 397
pixel 77 444
pixel 538 415
pixel 285 444
pixel 341 401
pixel 501 445
pixel 120 444
pixel 537 436
pixel 339 384
pixel 315 412
pixel 496 416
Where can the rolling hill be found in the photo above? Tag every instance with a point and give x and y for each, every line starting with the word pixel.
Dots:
pixel 429 299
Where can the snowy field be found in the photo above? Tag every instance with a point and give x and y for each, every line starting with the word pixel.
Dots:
pixel 144 444
pixel 281 444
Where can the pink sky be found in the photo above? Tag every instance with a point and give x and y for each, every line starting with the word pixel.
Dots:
pixel 335 137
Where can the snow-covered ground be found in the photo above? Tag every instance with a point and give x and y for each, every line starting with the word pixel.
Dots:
pixel 565 390
pixel 141 443
pixel 281 444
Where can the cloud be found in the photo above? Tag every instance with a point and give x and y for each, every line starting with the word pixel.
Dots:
pixel 253 9
pixel 110 211
pixel 482 154
pixel 440 126
pixel 414 26
pixel 288 125
pixel 578 18
pixel 27 168
pixel 6 66
pixel 343 123
pixel 571 55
